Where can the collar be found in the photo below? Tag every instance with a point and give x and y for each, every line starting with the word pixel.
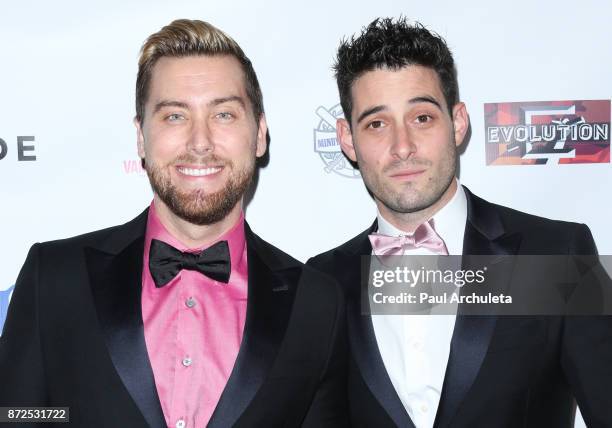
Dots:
pixel 235 237
pixel 449 222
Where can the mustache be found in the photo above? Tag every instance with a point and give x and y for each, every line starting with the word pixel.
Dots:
pixel 202 161
pixel 406 164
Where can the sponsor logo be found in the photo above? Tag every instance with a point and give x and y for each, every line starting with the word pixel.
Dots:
pixel 326 144
pixel 5 297
pixel 24 148
pixel 133 167
pixel 547 132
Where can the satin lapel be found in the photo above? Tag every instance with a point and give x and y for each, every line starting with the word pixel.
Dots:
pixel 270 298
pixel 115 273
pixel 364 347
pixel 484 235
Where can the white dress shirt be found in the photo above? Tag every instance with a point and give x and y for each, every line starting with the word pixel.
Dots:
pixel 415 348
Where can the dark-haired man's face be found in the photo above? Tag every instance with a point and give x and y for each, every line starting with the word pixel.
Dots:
pixel 404 138
pixel 199 137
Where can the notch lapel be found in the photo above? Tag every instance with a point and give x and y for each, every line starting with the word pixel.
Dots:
pixel 484 235
pixel 271 290
pixel 362 338
pixel 115 273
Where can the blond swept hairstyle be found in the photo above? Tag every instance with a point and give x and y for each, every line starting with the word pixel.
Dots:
pixel 190 37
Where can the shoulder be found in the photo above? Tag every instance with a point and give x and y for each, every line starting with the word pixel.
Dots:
pixel 271 255
pixel 110 238
pixel 549 233
pixel 514 219
pixel 345 253
pixel 314 285
pixel 275 258
pixel 79 241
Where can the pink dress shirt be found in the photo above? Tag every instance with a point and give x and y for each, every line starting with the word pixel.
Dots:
pixel 193 328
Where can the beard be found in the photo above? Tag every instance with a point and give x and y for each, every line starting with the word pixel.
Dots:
pixel 409 198
pixel 197 206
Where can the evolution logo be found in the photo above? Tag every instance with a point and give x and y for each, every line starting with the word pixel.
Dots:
pixel 5 297
pixel 326 144
pixel 548 132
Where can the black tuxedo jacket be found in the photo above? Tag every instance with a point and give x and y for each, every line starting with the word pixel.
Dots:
pixel 502 371
pixel 74 337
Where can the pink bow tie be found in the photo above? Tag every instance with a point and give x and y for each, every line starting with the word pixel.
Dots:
pixel 424 236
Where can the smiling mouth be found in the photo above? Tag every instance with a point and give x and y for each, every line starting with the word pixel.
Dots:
pixel 198 172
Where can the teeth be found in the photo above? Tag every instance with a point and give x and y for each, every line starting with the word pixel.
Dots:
pixel 199 172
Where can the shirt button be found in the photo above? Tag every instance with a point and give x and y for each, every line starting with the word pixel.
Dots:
pixel 190 303
pixel 424 408
pixel 180 424
pixel 187 362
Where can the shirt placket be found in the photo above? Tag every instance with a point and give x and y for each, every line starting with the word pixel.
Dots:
pixel 185 363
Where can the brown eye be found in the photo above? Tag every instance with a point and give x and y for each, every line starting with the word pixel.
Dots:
pixel 376 124
pixel 423 118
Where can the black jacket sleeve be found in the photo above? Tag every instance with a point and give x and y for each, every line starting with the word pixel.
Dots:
pixel 586 353
pixel 22 374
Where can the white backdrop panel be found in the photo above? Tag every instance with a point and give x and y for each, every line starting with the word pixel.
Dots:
pixel 67 78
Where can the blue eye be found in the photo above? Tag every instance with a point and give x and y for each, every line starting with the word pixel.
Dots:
pixel 225 115
pixel 174 117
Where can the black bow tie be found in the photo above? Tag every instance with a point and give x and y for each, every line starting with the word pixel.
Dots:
pixel 165 262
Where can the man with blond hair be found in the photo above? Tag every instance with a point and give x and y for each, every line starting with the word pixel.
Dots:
pixel 182 317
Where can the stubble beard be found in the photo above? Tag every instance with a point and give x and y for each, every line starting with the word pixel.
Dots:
pixel 409 199
pixel 197 206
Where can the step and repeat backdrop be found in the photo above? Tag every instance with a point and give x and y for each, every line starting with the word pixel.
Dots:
pixel 535 77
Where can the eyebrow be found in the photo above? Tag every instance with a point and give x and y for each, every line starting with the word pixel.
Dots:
pixel 232 98
pixel 425 99
pixel 179 104
pixel 371 111
pixel 415 100
pixel 167 103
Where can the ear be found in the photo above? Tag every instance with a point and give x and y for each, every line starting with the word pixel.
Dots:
pixel 262 132
pixel 345 137
pixel 461 122
pixel 139 138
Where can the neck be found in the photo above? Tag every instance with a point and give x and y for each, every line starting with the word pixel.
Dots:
pixel 408 222
pixel 194 235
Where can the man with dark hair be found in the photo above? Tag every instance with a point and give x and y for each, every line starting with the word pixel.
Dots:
pixel 182 317
pixel 403 123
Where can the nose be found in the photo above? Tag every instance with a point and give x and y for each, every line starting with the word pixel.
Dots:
pixel 403 143
pixel 200 140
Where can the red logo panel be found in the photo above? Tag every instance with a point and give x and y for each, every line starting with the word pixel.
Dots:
pixel 547 132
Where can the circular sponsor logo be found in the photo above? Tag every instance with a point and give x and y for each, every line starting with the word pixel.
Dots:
pixel 327 145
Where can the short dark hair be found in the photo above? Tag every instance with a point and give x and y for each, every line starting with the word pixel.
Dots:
pixel 393 44
pixel 191 37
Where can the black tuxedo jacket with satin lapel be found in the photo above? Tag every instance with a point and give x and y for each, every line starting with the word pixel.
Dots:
pixel 502 371
pixel 74 337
